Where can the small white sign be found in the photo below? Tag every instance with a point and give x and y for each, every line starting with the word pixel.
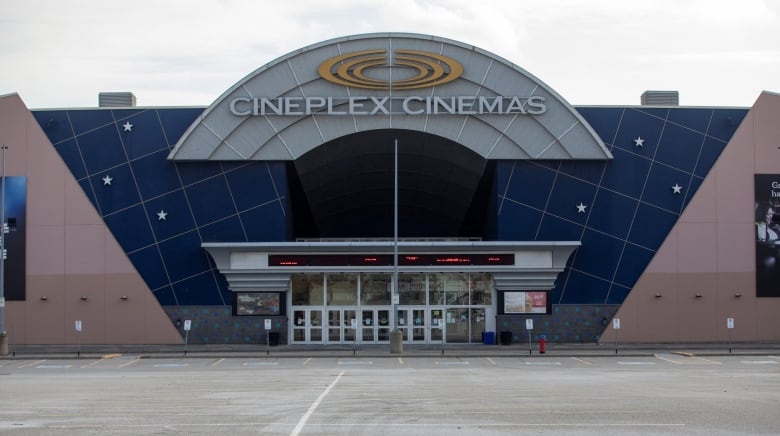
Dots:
pixel 529 324
pixel 616 323
pixel 353 322
pixel 396 299
pixel 730 323
pixel 187 325
pixel 78 325
pixel 268 324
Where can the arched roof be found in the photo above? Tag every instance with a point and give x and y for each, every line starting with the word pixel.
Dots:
pixel 555 132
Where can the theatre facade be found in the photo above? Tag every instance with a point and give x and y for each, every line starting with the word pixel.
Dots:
pixel 286 210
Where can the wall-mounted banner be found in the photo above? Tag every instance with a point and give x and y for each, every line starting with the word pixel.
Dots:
pixel 15 246
pixel 525 302
pixel 767 217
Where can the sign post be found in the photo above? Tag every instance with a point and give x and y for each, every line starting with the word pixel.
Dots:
pixel 616 327
pixel 353 323
pixel 267 337
pixel 187 327
pixel 78 338
pixel 730 327
pixel 529 325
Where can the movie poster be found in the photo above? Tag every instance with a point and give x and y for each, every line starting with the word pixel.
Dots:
pixel 767 211
pixel 258 303
pixel 14 244
pixel 525 302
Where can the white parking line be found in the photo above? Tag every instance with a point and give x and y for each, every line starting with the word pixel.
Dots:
pixel 582 361
pixel 635 363
pixel 53 366
pixel 306 362
pixel 358 362
pixel 170 365
pixel 260 363
pixel 297 430
pixel 27 365
pixel 217 362
pixel 491 360
pixel 760 362
pixel 129 363
pixel 543 363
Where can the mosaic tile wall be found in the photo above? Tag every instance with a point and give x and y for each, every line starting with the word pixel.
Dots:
pixel 217 325
pixel 569 323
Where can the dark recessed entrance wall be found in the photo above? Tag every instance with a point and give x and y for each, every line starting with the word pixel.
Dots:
pixel 344 189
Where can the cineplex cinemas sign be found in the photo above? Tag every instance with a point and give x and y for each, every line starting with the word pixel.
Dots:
pixel 363 70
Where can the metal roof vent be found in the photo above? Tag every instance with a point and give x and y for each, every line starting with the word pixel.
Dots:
pixel 116 99
pixel 660 98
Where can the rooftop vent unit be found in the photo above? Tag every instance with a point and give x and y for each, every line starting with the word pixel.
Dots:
pixel 116 99
pixel 660 98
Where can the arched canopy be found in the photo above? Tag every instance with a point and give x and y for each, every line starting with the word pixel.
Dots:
pixel 389 81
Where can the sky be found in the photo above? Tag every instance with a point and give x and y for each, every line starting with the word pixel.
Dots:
pixel 62 53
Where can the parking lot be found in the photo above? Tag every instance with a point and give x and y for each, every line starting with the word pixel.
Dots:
pixel 664 393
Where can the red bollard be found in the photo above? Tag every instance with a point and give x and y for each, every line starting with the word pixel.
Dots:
pixel 542 345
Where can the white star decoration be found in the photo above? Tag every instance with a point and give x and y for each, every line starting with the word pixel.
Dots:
pixel 107 180
pixel 581 208
pixel 639 142
pixel 128 127
pixel 161 215
pixel 676 188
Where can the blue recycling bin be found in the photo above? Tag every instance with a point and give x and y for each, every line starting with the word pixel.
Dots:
pixel 488 338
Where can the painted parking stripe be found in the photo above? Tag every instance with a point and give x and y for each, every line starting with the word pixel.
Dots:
pixel 451 362
pixel 53 366
pixel 356 362
pixel 760 362
pixel 635 363
pixel 170 365
pixel 543 363
pixel 26 365
pixel 583 361
pixel 260 363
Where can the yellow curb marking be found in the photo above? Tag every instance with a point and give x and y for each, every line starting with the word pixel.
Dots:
pixel 111 356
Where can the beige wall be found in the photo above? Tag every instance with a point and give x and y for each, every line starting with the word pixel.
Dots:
pixel 71 254
pixel 711 250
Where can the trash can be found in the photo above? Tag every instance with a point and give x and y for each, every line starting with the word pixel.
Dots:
pixel 273 338
pixel 506 338
pixel 488 338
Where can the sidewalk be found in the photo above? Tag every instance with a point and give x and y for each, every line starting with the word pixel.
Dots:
pixel 383 350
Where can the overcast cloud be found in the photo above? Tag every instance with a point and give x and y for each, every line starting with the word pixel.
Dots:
pixel 187 52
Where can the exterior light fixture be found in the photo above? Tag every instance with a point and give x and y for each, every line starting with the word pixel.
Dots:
pixel 657 295
pixel 738 295
pixel 44 298
pixel 698 295
pixel 83 298
pixel 123 298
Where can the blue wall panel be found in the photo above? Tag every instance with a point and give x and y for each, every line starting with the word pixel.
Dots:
pixel 630 204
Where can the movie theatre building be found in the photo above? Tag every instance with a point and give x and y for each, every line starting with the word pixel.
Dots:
pixel 297 197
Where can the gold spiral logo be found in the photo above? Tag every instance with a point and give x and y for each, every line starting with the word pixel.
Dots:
pixel 351 69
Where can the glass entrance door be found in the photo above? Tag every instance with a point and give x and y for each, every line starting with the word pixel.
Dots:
pixel 340 328
pixel 437 330
pixel 413 324
pixel 375 325
pixel 307 325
